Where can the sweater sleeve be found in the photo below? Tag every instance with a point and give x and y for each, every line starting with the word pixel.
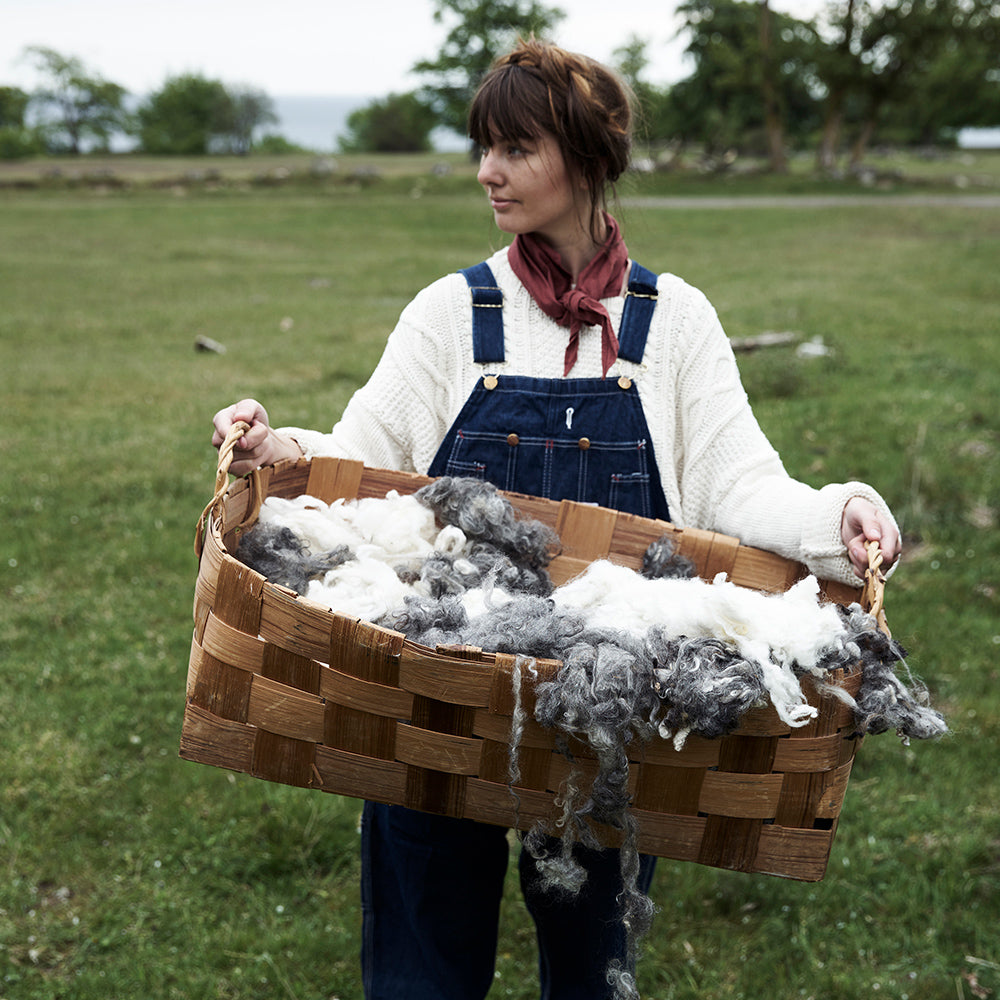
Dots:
pixel 399 417
pixel 730 476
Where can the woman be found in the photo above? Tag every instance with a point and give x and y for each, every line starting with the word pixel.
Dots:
pixel 562 369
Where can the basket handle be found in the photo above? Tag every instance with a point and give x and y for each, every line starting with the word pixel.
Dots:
pixel 226 450
pixel 873 593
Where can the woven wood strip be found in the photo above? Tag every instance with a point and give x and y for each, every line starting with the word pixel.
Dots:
pixel 284 711
pixel 828 806
pixel 564 568
pixel 493 726
pixel 820 753
pixel 194 667
pixel 359 776
pixel 746 797
pixel 222 689
pixel 295 623
pixel 790 853
pixel 330 478
pixel 232 646
pixel 437 751
pixel 208 738
pixel 633 535
pixel 440 675
pixel 677 837
pixel 763 721
pixel 283 759
pixel 496 803
pixel 696 752
pixel 667 789
pixel 585 532
pixel 365 696
pixel 237 596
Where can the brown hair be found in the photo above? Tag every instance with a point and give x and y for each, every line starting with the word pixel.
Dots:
pixel 538 88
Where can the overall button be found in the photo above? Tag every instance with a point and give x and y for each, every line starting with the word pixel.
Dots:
pixel 625 382
pixel 490 382
pixel 584 443
pixel 512 439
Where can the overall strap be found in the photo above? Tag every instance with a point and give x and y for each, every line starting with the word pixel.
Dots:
pixel 487 314
pixel 640 302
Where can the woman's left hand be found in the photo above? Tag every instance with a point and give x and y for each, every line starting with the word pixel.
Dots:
pixel 863 522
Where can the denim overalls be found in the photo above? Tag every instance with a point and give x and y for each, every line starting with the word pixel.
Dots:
pixel 431 885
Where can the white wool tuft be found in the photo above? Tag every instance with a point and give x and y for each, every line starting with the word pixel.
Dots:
pixel 775 631
pixel 793 626
pixel 363 588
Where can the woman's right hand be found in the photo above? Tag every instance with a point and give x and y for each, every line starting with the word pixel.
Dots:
pixel 261 445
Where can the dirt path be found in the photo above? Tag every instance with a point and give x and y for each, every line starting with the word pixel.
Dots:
pixel 816 201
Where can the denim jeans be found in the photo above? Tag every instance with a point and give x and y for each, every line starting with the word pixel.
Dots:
pixel 431 891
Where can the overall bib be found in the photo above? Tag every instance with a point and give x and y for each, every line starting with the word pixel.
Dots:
pixel 431 885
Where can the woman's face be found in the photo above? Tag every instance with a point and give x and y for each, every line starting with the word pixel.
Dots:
pixel 532 191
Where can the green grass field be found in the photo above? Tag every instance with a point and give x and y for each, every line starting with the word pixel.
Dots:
pixel 127 873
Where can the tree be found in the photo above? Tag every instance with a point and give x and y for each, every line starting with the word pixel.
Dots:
pixel 399 123
pixel 960 86
pixel 749 86
pixel 76 105
pixel 631 60
pixel 184 116
pixel 949 69
pixel 13 107
pixel 484 30
pixel 918 67
pixel 246 110
pixel 17 139
pixel 774 125
pixel 837 69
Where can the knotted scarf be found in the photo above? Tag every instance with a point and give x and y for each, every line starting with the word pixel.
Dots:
pixel 540 269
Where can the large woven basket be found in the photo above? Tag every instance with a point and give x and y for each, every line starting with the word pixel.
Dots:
pixel 287 690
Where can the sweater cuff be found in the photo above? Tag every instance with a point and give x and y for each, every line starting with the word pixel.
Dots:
pixel 311 442
pixel 823 549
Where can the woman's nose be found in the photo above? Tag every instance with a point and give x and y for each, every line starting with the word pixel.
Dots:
pixel 488 169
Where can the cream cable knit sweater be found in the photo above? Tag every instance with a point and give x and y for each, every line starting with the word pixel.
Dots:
pixel 718 470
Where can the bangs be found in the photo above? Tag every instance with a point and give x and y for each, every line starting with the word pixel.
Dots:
pixel 511 104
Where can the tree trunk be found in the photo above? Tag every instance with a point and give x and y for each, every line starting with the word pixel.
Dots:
pixel 860 146
pixel 769 92
pixel 826 154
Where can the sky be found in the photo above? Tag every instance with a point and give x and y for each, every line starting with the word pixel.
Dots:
pixel 299 47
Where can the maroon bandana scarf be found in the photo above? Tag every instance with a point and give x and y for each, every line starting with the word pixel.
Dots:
pixel 541 271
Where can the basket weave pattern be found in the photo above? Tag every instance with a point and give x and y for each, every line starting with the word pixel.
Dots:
pixel 287 690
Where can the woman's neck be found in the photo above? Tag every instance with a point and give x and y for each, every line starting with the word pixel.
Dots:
pixel 576 250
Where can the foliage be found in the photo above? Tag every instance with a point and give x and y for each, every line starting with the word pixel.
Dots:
pixel 915 69
pixel 184 116
pixel 246 110
pixel 125 872
pixel 13 107
pixel 399 123
pixel 192 114
pixel 17 139
pixel 481 31
pixel 631 60
pixel 720 104
pixel 76 105
pixel 275 145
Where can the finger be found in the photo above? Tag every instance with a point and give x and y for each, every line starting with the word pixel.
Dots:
pixel 858 555
pixel 251 411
